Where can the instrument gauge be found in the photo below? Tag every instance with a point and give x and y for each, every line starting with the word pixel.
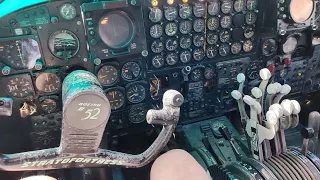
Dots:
pixel 208 73
pixel 225 36
pixel 185 27
pixel 196 75
pixel 48 82
pixel 156 31
pixel 137 114
pixel 170 13
pixel 251 4
pixel 239 5
pixel 68 11
pixel 157 46
pixel 290 45
pixel 213 23
pixel 19 87
pixel 226 6
pixel 64 44
pixel 198 40
pixel 212 38
pixel 213 8
pixel 130 71
pixel 155 14
pixel 116 99
pixel 224 49
pixel 248 32
pixel 251 18
pixel 48 105
pixel 211 52
pixel 236 48
pixel 171 29
pixel 198 54
pixel 185 11
pixel 136 93
pixel 301 10
pixel 198 9
pixel 269 47
pixel 157 61
pixel 172 59
pixel 225 21
pixel 198 25
pixel 171 44
pixel 185 56
pixel 185 42
pixel 247 46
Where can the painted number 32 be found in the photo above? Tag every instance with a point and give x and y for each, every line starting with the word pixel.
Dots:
pixel 91 113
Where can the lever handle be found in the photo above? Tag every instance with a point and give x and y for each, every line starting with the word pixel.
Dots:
pixel 307 133
pixel 225 133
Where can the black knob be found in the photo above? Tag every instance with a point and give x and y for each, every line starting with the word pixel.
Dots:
pixel 225 133
pixel 307 133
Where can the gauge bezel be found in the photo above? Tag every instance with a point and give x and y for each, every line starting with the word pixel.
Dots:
pixel 166 9
pixel 122 91
pixel 143 84
pixel 291 17
pixel 52 35
pixel 60 11
pixel 276 47
pixel 130 110
pixel 48 72
pixel 27 77
pixel 51 99
pixel 150 14
pixel 116 67
pixel 201 70
pixel 140 73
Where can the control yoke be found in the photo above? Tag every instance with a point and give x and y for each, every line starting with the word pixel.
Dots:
pixel 86 111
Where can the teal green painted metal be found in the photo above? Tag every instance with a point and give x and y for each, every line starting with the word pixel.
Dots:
pixel 9 6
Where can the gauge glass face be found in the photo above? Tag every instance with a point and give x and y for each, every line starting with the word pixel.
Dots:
pixel 171 29
pixel 19 87
pixel 213 8
pixel 213 23
pixel 251 18
pixel 185 42
pixel 198 25
pixel 136 93
pixel 172 59
pixel 198 40
pixel 64 44
pixel 269 47
pixel 130 71
pixel 48 83
pixel 185 56
pixel 48 105
pixel 170 13
pixel 137 114
pixel 290 45
pixel 116 99
pixel 225 36
pixel 212 38
pixel 157 46
pixel 108 75
pixel 155 15
pixel 236 48
pixel 225 21
pixel 301 10
pixel 239 5
pixel 156 31
pixel 116 29
pixel 247 46
pixel 224 50
pixel 251 4
pixel 198 9
pixel 248 32
pixel 185 27
pixel 185 11
pixel 196 75
pixel 171 44
pixel 157 61
pixel 68 11
pixel 226 6
pixel 211 52
pixel 198 54
pixel 208 73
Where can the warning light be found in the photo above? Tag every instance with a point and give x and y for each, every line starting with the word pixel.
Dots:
pixel 185 1
pixel 299 74
pixel 104 21
pixel 170 2
pixel 154 3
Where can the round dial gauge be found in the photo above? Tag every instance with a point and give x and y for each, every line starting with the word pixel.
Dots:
pixel 185 11
pixel 68 11
pixel 251 18
pixel 213 23
pixel 198 25
pixel 212 38
pixel 157 46
pixel 251 4
pixel 269 47
pixel 225 36
pixel 155 15
pixel 108 75
pixel 19 87
pixel 171 44
pixel 248 32
pixel 198 40
pixel 48 83
pixel 198 54
pixel 171 29
pixel 213 8
pixel 185 27
pixel 48 105
pixel 247 46
pixel 290 45
pixel 226 6
pixel 63 44
pixel 225 21
pixel 172 59
pixel 236 48
pixel 170 13
pixel 196 75
pixel 136 93
pixel 301 10
pixel 208 73
pixel 239 5
pixel 198 9
pixel 185 42
pixel 116 99
pixel 116 29
pixel 130 71
pixel 211 52
pixel 157 61
pixel 224 50
pixel 185 56
pixel 156 31
pixel 137 114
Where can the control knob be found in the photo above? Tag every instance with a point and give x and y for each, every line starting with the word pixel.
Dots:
pixel 316 86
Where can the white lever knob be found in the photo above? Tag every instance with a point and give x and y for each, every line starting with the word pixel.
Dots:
pixel 256 92
pixel 287 108
pixel 285 89
pixel 241 77
pixel 272 118
pixel 296 107
pixel 278 86
pixel 236 94
pixel 277 109
pixel 272 89
pixel 265 74
pixel 257 107
pixel 249 100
